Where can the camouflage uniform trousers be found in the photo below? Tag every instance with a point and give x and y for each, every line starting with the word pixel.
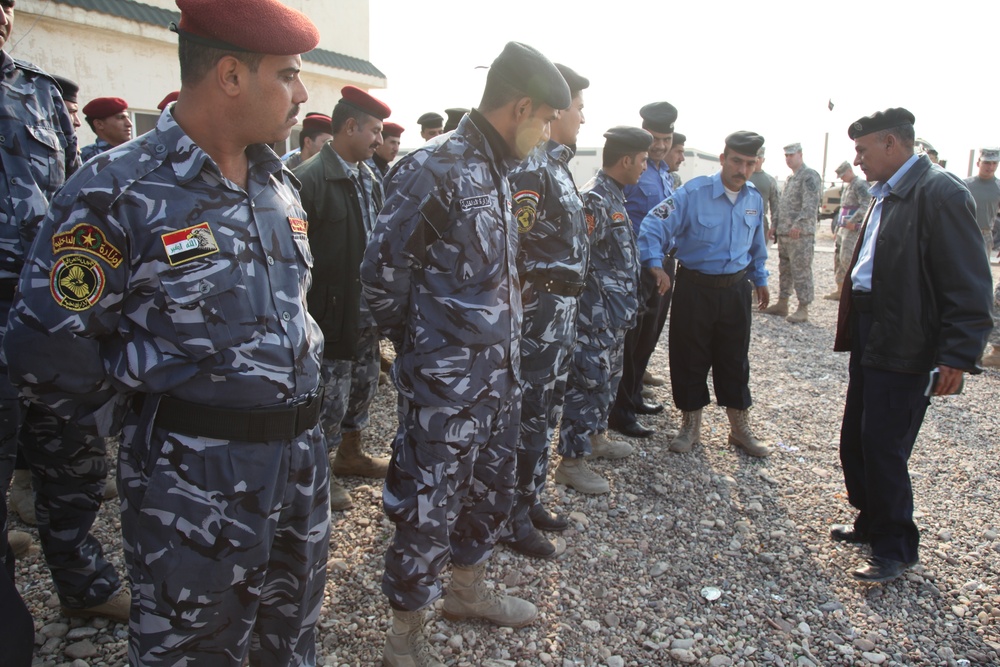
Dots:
pixel 995 334
pixel 795 263
pixel 594 374
pixel 226 545
pixel 68 471
pixel 349 387
pixel 847 241
pixel 449 491
pixel 546 344
pixel 988 240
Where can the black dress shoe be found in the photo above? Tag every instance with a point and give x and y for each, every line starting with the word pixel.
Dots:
pixel 633 429
pixel 877 569
pixel 649 408
pixel 542 519
pixel 534 545
pixel 840 532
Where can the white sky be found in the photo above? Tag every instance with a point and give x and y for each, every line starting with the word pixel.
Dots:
pixel 768 66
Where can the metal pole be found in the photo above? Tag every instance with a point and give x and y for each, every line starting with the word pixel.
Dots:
pixel 972 160
pixel 826 143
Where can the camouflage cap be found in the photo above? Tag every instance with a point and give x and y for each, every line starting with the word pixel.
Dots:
pixel 745 143
pixel 880 120
pixel 793 148
pixel 844 167
pixel 989 154
pixel 526 69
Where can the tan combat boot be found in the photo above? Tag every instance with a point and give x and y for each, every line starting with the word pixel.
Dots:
pixel 576 474
pixel 652 380
pixel 602 447
pixel 470 597
pixel 340 498
pixel 690 433
pixel 992 360
pixel 800 315
pixel 835 294
pixel 741 435
pixel 351 460
pixel 116 608
pixel 406 642
pixel 22 496
pixel 20 542
pixel 780 307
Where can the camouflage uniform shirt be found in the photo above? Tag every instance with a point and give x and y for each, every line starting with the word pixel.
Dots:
pixel 855 202
pixel 37 150
pixel 439 273
pixel 799 204
pixel 553 238
pixel 156 274
pixel 94 149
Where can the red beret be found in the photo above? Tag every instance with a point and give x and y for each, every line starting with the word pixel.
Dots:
pixel 361 100
pixel 318 122
pixel 102 107
pixel 257 26
pixel 171 97
pixel 391 130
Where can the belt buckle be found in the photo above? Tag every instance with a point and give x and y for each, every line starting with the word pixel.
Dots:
pixel 306 400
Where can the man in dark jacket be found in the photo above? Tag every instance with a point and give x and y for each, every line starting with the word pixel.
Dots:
pixel 915 304
pixel 341 197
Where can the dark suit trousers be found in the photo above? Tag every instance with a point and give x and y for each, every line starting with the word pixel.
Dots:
pixel 882 416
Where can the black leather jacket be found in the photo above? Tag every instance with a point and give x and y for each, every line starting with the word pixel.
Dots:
pixel 932 288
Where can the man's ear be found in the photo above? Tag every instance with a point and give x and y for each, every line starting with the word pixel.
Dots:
pixel 522 108
pixel 230 74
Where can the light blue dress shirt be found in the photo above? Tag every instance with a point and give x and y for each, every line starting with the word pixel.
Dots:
pixel 655 185
pixel 710 234
pixel 861 276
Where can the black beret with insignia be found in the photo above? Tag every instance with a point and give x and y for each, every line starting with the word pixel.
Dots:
pixel 880 120
pixel 624 140
pixel 679 139
pixel 455 115
pixel 526 69
pixel 745 143
pixel 575 82
pixel 430 120
pixel 659 117
pixel 68 88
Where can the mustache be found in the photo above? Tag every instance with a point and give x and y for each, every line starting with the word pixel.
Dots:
pixel 293 113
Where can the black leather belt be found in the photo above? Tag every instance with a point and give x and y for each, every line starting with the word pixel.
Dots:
pixel 554 285
pixel 8 286
pixel 708 280
pixel 281 422
pixel 862 301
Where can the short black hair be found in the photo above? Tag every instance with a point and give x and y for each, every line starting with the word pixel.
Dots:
pixel 341 112
pixel 311 133
pixel 197 60
pixel 906 134
pixel 611 157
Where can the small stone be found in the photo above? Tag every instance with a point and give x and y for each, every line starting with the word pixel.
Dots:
pixel 79 663
pixel 683 655
pixel 455 642
pixel 946 653
pixel 659 569
pixel 944 535
pixel 720 661
pixel 82 632
pixel 54 630
pixel 803 661
pixel 84 649
pixel 580 518
pixel 959 610
pixel 864 644
pixel 832 605
pixel 593 626
pixel 990 535
pixel 611 620
pixel 874 658
pixel 616 661
pixel 683 644
pixel 805 629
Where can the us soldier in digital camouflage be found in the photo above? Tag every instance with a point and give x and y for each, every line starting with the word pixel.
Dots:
pixel 551 263
pixel 607 309
pixel 441 280
pixel 767 186
pixel 853 206
pixel 166 294
pixel 38 151
pixel 795 231
pixel 108 118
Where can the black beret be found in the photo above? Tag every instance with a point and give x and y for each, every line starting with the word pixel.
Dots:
pixel 575 82
pixel 527 70
pixel 624 139
pixel 679 139
pixel 431 119
pixel 455 115
pixel 68 88
pixel 745 143
pixel 880 120
pixel 659 117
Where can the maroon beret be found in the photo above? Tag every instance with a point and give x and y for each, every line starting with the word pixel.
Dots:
pixel 318 122
pixel 102 107
pixel 256 26
pixel 362 101
pixel 391 130
pixel 171 97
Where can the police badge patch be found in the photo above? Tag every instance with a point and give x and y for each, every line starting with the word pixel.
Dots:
pixel 76 282
pixel 187 244
pixel 527 210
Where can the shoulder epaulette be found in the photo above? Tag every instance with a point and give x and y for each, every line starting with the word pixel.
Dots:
pixel 117 175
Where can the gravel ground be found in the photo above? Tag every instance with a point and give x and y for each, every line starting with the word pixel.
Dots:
pixel 629 589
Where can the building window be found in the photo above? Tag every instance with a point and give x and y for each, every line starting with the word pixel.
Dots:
pixel 143 122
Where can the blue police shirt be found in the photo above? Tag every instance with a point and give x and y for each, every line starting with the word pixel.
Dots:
pixel 710 234
pixel 655 185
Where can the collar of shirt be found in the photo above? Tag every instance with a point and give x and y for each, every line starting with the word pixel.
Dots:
pixel 559 152
pixel 349 168
pixel 187 159
pixel 613 187
pixel 880 190
pixel 719 189
pixel 497 144
pixel 6 62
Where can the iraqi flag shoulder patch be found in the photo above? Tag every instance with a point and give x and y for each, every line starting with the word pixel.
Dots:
pixel 190 243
